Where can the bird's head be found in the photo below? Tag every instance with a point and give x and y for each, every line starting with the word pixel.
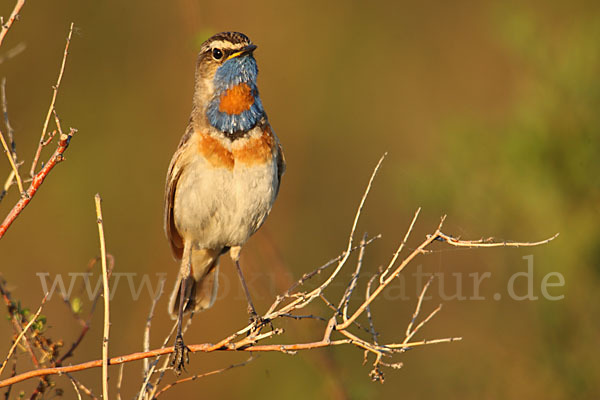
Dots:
pixel 226 92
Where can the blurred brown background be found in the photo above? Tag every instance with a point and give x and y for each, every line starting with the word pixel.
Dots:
pixel 489 112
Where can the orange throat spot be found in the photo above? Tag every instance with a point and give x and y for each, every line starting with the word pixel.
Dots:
pixel 236 99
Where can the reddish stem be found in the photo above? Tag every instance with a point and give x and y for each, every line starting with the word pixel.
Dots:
pixel 37 181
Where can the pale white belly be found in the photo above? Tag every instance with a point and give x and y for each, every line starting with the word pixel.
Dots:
pixel 218 207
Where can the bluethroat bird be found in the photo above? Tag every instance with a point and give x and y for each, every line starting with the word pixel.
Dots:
pixel 223 177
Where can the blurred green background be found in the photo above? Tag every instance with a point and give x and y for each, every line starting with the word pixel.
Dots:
pixel 489 112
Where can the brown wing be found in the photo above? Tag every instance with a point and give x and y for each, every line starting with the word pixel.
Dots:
pixel 175 168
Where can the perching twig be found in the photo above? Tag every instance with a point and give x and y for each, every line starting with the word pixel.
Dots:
pixel 105 336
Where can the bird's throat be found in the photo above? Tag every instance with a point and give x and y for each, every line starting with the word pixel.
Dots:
pixel 235 107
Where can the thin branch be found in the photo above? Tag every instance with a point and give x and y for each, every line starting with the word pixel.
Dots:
pixel 418 307
pixel 16 320
pixel 23 332
pixel 198 376
pixel 105 336
pixel 243 345
pixel 489 242
pixel 155 363
pixel 410 345
pixel 120 381
pixel 389 279
pixel 372 330
pixel 85 323
pixel 12 162
pixel 348 293
pixel 76 389
pixel 10 148
pixel 37 181
pixel 148 371
pixel 402 244
pixel 149 321
pixel 13 16
pixel 82 387
pixel 51 108
pixel 305 299
pixel 309 275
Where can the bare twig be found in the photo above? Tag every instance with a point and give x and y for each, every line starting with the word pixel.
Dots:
pixel 120 381
pixel 82 387
pixel 198 376
pixel 13 16
pixel 105 336
pixel 304 299
pixel 75 387
pixel 13 373
pixel 149 321
pixel 372 330
pixel 16 320
pixel 402 244
pixel 389 279
pixel 23 332
pixel 348 293
pixel 489 242
pixel 37 181
pixel 51 108
pixel 85 323
pixel 10 148
pixel 417 309
pixel 148 371
pixel 12 162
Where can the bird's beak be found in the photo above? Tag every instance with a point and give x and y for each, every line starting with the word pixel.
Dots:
pixel 246 50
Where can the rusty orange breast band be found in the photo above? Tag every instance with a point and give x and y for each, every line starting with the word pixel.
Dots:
pixel 237 99
pixel 254 151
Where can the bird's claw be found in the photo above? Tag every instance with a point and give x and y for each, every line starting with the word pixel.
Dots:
pixel 181 355
pixel 257 322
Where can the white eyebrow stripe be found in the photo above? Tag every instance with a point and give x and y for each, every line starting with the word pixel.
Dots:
pixel 221 44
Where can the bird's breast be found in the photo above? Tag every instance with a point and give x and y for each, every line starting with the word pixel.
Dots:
pixel 258 148
pixel 226 191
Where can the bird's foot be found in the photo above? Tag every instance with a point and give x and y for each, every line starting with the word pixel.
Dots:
pixel 257 322
pixel 181 355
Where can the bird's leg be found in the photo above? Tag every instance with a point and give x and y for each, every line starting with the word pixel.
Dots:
pixel 254 318
pixel 180 350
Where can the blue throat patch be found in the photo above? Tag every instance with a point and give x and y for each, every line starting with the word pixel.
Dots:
pixel 238 70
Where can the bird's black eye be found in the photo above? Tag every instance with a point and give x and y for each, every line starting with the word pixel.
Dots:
pixel 217 54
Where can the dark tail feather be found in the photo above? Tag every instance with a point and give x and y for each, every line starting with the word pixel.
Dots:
pixel 199 294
